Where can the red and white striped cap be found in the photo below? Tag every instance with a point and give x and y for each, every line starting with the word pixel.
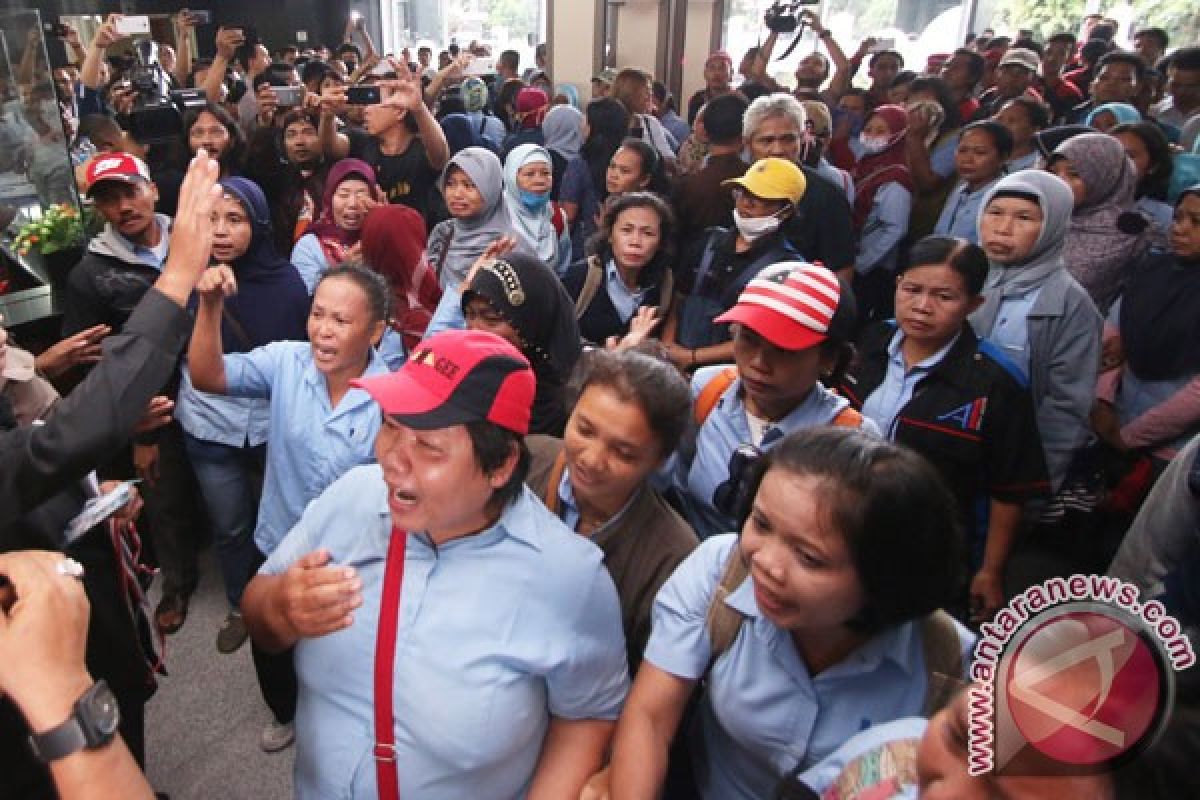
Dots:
pixel 794 305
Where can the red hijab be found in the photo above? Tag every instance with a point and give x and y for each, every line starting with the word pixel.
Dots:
pixel 336 241
pixel 393 244
pixel 873 172
pixel 532 105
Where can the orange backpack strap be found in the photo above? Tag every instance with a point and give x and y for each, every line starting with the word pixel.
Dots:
pixel 554 478
pixel 848 418
pixel 710 395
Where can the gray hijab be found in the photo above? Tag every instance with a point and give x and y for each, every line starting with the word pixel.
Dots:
pixel 1098 249
pixel 563 129
pixel 470 236
pixel 1044 260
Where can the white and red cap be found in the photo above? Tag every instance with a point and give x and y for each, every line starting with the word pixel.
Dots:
pixel 795 305
pixel 115 167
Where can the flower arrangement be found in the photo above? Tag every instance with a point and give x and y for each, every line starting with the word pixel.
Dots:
pixel 59 228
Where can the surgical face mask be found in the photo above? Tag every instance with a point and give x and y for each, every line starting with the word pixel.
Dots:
pixel 754 228
pixel 873 144
pixel 534 201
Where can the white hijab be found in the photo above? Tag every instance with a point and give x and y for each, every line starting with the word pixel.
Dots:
pixel 535 227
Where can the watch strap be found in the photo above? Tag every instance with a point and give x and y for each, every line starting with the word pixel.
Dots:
pixel 81 730
pixel 58 742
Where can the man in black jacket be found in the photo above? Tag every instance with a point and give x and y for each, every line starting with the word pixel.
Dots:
pixel 120 265
pixel 821 230
pixel 38 463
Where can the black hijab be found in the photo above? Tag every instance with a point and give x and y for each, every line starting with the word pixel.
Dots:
pixel 531 298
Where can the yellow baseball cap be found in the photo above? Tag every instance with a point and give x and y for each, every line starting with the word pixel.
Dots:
pixel 773 179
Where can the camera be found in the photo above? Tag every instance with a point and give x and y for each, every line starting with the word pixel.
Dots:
pixel 784 17
pixel 157 114
pixel 732 497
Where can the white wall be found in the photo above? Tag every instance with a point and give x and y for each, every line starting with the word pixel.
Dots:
pixel 697 45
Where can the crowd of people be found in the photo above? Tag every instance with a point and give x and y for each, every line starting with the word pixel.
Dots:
pixel 561 449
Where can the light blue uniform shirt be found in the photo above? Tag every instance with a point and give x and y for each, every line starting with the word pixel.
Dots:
pixel 941 160
pixel 309 259
pixel 961 213
pixel 392 349
pixel 1010 331
pixel 899 383
pixel 311 444
pixel 723 432
pixel 232 421
pixel 624 300
pixel 886 225
pixel 498 632
pixel 449 314
pixel 1027 161
pixel 763 713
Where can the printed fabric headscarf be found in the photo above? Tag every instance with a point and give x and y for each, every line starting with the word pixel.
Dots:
pixel 272 301
pixel 534 222
pixel 533 301
pixel 1160 315
pixel 1045 259
pixel 1106 234
pixel 393 244
pixel 470 236
pixel 336 241
pixel 875 171
pixel 531 107
pixel 563 131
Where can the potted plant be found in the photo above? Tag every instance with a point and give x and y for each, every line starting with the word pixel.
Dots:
pixel 55 240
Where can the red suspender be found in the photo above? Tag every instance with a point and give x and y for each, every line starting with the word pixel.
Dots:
pixel 386 775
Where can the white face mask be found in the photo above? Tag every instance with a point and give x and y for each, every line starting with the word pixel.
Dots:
pixel 753 228
pixel 873 144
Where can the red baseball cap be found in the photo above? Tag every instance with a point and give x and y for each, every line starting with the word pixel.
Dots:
pixel 795 305
pixel 115 167
pixel 456 377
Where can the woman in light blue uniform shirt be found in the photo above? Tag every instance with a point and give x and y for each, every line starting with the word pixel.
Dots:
pixel 320 427
pixel 983 149
pixel 848 546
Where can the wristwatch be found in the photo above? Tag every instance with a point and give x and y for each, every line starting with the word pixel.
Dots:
pixel 92 724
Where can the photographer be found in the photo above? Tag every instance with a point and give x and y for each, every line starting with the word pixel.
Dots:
pixel 246 52
pixel 402 142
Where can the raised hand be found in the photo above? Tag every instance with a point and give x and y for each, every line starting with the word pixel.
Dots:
pixel 228 41
pixel 107 35
pixel 216 284
pixel 192 232
pixel 497 249
pixel 43 636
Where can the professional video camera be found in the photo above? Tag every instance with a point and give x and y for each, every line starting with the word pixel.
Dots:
pixel 157 111
pixel 784 17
